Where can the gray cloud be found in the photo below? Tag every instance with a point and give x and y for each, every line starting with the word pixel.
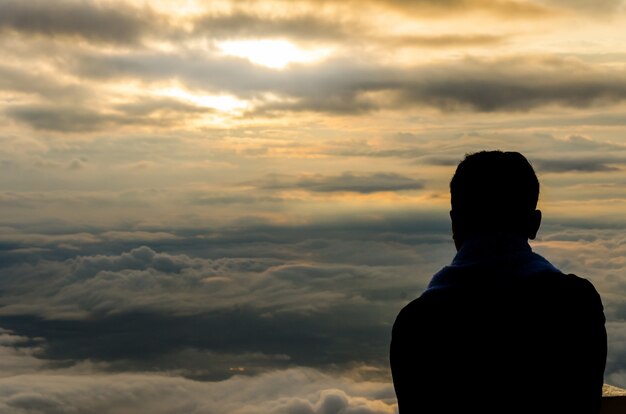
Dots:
pixel 516 85
pixel 586 165
pixel 616 367
pixel 225 199
pixel 346 86
pixel 406 152
pixel 281 392
pixel 510 9
pixel 162 112
pixel 55 118
pixel 100 285
pixel 23 81
pixel 138 308
pixel 261 297
pixel 451 40
pixel 313 28
pixel 346 182
pixel 240 24
pixel 119 24
pixel 477 86
pixel 576 153
pixel 599 7
pixel 583 143
pixel 17 354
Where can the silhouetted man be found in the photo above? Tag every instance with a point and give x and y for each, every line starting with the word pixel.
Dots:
pixel 500 330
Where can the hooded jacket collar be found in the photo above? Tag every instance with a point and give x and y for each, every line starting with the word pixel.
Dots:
pixel 511 255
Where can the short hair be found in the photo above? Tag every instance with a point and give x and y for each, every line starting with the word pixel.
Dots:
pixel 493 191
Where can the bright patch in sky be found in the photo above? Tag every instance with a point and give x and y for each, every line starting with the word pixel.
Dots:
pixel 224 103
pixel 275 54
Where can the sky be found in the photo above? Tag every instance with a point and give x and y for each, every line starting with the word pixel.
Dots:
pixel 220 207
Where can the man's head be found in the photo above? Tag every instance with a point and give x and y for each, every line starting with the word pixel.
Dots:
pixel 494 192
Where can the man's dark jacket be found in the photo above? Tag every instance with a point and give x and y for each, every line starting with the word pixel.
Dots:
pixel 487 337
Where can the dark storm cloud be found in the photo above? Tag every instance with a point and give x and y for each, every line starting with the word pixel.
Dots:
pixel 346 182
pixel 116 23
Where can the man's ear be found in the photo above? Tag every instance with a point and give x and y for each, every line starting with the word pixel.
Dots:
pixel 534 221
pixel 453 221
pixel 456 234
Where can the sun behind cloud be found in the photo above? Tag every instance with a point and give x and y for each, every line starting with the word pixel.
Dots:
pixel 276 54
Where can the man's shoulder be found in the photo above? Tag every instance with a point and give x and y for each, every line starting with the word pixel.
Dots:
pixel 494 279
pixel 565 286
pixel 540 290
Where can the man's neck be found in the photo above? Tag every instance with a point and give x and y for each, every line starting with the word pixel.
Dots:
pixel 491 247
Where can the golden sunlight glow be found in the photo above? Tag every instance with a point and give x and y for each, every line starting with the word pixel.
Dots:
pixel 223 103
pixel 276 54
